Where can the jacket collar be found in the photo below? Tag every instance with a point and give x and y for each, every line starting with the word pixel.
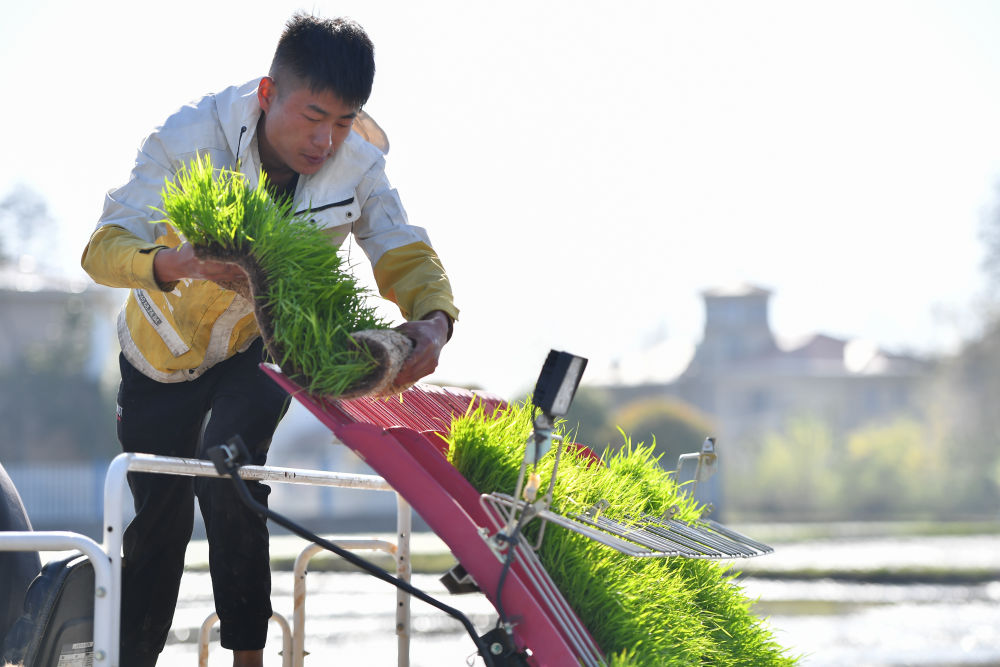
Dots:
pixel 342 173
pixel 239 112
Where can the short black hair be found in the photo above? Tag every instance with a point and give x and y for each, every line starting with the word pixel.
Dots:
pixel 325 54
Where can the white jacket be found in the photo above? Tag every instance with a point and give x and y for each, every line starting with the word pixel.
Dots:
pixel 178 334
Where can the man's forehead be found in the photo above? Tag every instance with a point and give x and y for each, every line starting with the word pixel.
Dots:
pixel 324 101
pixel 342 111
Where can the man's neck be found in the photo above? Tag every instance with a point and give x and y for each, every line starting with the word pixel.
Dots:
pixel 284 190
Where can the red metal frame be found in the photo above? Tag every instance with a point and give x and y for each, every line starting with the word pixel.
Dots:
pixel 402 440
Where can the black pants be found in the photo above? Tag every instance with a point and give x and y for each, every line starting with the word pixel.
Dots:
pixel 168 419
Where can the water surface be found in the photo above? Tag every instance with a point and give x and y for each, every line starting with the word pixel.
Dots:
pixel 829 622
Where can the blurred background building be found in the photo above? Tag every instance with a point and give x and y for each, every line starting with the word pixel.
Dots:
pixel 750 384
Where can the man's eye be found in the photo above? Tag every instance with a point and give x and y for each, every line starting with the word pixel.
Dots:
pixel 310 118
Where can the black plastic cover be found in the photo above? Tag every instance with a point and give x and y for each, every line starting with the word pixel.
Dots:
pixel 557 382
pixel 56 628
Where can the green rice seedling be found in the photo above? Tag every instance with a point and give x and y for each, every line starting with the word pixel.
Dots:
pixel 307 303
pixel 641 611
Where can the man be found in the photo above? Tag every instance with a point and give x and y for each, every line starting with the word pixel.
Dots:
pixel 190 347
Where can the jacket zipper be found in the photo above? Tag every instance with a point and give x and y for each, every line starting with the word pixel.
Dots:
pixel 346 202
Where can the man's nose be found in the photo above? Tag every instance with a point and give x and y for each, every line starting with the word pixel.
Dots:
pixel 323 137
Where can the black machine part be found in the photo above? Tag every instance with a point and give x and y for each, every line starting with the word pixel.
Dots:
pixel 56 627
pixel 557 383
pixel 17 568
pixel 502 649
pixel 458 581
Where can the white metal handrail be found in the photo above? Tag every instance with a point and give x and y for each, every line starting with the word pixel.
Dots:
pixel 107 557
pixel 213 618
pixel 299 596
pixel 114 509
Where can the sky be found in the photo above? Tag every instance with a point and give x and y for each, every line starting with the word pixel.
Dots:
pixel 586 169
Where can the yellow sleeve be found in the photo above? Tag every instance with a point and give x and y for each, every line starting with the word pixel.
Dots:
pixel 116 257
pixel 413 278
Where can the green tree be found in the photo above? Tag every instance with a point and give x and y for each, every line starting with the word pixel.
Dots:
pixel 893 470
pixel 24 222
pixel 51 410
pixel 964 423
pixel 589 419
pixel 794 474
pixel 967 393
pixel 675 426
pixel 50 407
pixel 904 468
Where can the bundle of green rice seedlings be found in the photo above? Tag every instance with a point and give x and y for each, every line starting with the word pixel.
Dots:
pixel 641 611
pixel 313 315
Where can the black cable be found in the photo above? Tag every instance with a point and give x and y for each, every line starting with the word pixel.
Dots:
pixel 227 466
pixel 512 541
pixel 534 435
pixel 514 536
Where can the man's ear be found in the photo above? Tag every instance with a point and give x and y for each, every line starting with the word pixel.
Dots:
pixel 267 92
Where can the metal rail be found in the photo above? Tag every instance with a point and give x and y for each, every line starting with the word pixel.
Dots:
pixel 114 507
pixel 107 557
pixel 650 537
pixel 298 651
pixel 213 618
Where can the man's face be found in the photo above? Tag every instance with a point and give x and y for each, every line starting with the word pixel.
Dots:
pixel 301 129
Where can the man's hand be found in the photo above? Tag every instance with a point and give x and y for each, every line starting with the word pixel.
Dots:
pixel 429 336
pixel 170 264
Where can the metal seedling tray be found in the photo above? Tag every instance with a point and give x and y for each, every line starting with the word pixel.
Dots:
pixel 649 537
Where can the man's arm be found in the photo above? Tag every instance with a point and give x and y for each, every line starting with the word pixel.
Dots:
pixel 408 272
pixel 118 258
pixel 129 236
pixel 412 277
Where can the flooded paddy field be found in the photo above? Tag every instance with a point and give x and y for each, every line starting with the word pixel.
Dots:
pixel 851 601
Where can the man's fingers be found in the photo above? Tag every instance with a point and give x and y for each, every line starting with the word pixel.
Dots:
pixel 419 364
pixel 176 263
pixel 428 338
pixel 212 270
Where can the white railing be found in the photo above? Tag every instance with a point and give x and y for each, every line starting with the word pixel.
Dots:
pixel 286 639
pixel 107 557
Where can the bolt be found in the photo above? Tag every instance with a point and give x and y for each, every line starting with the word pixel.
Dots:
pixel 99 656
pixel 100 592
